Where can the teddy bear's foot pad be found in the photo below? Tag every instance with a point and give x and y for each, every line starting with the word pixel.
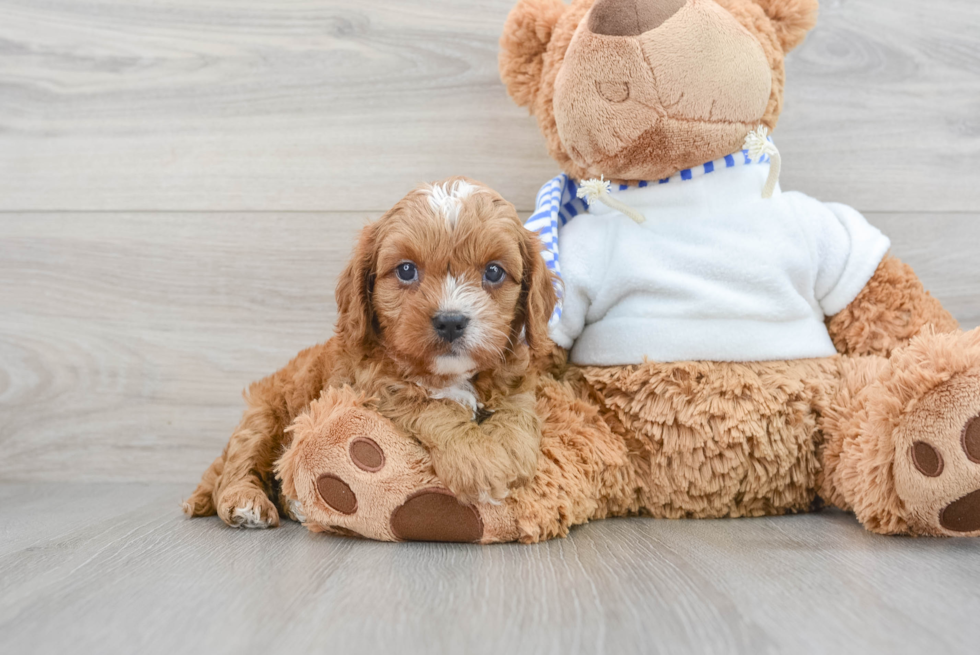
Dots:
pixel 350 472
pixel 940 485
pixel 428 515
pixel 962 515
pixel 436 515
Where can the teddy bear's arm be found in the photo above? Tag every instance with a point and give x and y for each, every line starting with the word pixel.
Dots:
pixel 892 308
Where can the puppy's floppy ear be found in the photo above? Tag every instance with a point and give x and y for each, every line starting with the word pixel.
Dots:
pixel 538 297
pixel 356 323
pixel 791 18
pixel 526 36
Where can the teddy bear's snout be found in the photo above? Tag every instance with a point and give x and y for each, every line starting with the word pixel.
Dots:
pixel 628 87
pixel 631 17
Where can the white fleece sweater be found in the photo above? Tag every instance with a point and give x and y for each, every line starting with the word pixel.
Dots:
pixel 715 273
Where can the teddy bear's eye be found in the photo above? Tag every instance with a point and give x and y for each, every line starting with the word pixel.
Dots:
pixel 407 272
pixel 614 91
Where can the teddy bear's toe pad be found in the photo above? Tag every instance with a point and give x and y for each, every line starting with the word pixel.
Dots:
pixel 367 455
pixel 962 515
pixel 927 459
pixel 436 515
pixel 971 440
pixel 337 494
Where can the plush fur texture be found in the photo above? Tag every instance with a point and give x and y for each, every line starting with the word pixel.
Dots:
pixel 524 42
pixel 892 308
pixel 388 349
pixel 711 440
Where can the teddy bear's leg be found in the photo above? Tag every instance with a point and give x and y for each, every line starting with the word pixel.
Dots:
pixel 351 471
pixel 902 440
pixel 718 439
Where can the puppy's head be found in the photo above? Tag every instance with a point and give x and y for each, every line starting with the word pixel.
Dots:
pixel 448 283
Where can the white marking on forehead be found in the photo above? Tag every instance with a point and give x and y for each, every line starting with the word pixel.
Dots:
pixel 447 201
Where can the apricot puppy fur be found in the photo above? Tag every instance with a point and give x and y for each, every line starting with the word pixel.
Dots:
pixel 443 315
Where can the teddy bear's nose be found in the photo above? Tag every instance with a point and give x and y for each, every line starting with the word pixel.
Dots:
pixel 631 17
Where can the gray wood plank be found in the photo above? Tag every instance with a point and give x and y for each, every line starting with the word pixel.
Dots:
pixel 133 336
pixel 37 513
pixel 332 105
pixel 126 339
pixel 144 579
pixel 883 106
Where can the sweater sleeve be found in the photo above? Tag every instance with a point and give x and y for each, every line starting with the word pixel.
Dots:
pixel 849 250
pixel 580 247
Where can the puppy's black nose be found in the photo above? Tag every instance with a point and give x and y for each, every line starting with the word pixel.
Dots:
pixel 450 327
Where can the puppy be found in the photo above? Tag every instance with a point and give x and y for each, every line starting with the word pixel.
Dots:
pixel 442 319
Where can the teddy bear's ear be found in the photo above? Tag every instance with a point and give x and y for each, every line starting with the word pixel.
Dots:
pixel 523 44
pixel 791 18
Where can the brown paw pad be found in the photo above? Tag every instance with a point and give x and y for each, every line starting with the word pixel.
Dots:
pixel 436 515
pixel 927 459
pixel 337 494
pixel 962 515
pixel 367 455
pixel 971 440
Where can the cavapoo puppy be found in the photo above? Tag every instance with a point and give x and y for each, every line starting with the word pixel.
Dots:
pixel 443 314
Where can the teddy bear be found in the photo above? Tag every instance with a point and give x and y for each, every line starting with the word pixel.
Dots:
pixel 727 349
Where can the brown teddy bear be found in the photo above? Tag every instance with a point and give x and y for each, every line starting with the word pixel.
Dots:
pixel 735 350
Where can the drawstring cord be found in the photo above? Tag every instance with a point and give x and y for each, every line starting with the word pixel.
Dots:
pixel 592 190
pixel 758 144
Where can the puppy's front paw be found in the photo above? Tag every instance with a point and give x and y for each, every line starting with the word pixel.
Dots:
pixel 483 471
pixel 462 394
pixel 247 507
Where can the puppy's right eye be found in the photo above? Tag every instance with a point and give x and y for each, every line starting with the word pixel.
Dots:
pixel 407 272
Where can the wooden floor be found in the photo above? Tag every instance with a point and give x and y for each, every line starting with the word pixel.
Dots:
pixel 180 184
pixel 115 568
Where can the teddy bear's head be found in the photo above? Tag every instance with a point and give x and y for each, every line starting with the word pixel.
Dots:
pixel 640 89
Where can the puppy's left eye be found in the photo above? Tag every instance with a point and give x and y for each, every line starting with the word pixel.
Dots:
pixel 494 274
